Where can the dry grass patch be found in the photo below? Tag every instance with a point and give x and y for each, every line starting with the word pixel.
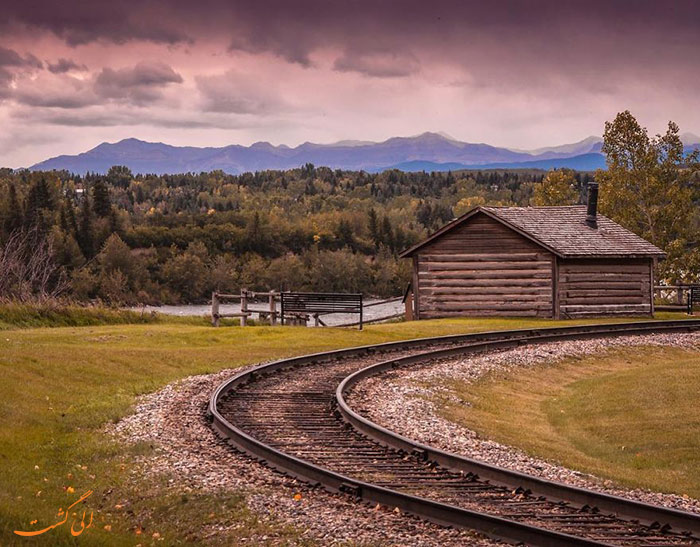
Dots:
pixel 629 415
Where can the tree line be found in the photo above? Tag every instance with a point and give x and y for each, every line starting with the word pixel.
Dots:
pixel 126 239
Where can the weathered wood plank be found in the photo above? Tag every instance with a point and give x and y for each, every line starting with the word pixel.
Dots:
pixel 597 268
pixel 492 274
pixel 429 314
pixel 606 308
pixel 451 282
pixel 426 265
pixel 618 284
pixel 607 293
pixel 506 307
pixel 495 299
pixel 485 290
pixel 622 300
pixel 485 257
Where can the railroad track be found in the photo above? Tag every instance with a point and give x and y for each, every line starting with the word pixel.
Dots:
pixel 292 415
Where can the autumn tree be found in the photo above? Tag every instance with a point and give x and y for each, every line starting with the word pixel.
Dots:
pixel 649 187
pixel 557 188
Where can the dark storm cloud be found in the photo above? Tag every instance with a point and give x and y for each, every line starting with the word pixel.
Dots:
pixel 79 22
pixel 140 84
pixel 65 65
pixel 295 29
pixel 10 58
pixel 11 63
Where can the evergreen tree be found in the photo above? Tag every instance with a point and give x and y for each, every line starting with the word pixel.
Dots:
pixel 387 236
pixel 38 200
pixel 373 225
pixel 14 219
pixel 101 203
pixel 86 238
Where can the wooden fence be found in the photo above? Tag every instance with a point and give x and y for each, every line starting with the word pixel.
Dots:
pixel 673 297
pixel 251 302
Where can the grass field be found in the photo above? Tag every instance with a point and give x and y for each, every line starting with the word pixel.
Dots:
pixel 629 415
pixel 59 386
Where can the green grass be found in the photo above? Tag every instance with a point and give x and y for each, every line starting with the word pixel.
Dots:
pixel 629 415
pixel 59 386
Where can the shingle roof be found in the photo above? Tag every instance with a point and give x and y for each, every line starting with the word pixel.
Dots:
pixel 563 231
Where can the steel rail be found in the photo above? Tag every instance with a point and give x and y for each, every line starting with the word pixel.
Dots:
pixel 623 507
pixel 442 513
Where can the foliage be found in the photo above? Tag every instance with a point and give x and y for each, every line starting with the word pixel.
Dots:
pixel 653 188
pixel 125 238
pixel 557 188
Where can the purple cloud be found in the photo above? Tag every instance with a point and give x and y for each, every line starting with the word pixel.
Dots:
pixel 140 84
pixel 65 65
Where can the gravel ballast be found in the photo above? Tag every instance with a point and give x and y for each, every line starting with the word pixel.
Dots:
pixel 401 401
pixel 195 459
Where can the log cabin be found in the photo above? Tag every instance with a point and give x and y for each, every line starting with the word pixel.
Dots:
pixel 558 262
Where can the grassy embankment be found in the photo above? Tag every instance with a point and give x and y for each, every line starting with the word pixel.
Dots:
pixel 629 415
pixel 59 386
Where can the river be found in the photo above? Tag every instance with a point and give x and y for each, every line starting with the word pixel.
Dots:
pixel 373 312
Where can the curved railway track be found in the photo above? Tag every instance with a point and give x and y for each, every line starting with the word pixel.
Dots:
pixel 292 415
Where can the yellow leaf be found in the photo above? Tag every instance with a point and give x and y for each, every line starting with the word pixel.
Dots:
pixel 108 527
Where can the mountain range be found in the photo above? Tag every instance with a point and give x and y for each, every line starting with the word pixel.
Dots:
pixel 428 151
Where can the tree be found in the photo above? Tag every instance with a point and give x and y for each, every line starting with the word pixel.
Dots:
pixel 85 238
pixel 373 226
pixel 38 204
pixel 14 218
pixel 120 176
pixel 101 204
pixel 344 235
pixel 650 187
pixel 188 273
pixel 557 188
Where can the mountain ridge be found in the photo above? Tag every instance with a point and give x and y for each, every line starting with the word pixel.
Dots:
pixel 407 153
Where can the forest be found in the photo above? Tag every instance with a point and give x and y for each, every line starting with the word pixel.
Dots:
pixel 131 239
pixel 128 239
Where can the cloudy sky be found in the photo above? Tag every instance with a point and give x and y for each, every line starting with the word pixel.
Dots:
pixel 521 74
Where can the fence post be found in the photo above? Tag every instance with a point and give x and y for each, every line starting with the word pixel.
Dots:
pixel 214 309
pixel 244 307
pixel 273 308
pixel 361 309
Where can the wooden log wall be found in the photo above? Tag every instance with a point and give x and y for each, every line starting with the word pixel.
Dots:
pixel 605 287
pixel 483 268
